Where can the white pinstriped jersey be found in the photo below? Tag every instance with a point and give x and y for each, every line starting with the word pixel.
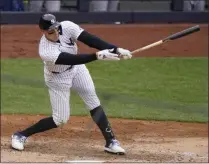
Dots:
pixel 49 51
pixel 77 78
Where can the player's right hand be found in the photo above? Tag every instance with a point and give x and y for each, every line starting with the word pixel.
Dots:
pixel 107 55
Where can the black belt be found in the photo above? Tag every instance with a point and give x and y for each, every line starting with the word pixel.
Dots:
pixel 69 68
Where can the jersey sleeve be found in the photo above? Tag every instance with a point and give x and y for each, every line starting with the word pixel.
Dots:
pixel 74 30
pixel 49 53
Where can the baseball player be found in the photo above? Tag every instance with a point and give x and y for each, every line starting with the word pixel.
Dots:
pixel 64 69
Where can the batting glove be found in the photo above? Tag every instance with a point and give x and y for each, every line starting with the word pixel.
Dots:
pixel 107 55
pixel 123 53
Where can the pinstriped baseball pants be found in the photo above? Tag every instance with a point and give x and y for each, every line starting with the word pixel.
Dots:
pixel 59 86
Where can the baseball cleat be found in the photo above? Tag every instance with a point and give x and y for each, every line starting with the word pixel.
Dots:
pixel 114 148
pixel 18 141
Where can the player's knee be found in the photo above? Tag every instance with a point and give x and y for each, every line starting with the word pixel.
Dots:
pixel 87 91
pixel 91 101
pixel 60 120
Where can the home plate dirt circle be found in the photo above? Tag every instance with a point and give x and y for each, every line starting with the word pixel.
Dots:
pixel 144 141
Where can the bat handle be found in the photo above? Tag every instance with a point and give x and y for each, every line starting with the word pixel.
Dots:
pixel 147 47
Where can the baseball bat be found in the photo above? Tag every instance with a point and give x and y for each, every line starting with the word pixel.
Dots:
pixel 170 37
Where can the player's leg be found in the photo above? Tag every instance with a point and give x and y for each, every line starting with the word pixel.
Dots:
pixel 84 86
pixel 35 5
pixel 53 6
pixel 60 107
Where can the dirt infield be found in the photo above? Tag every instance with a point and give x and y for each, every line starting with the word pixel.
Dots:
pixel 144 141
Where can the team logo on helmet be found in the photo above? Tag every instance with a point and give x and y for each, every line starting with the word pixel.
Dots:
pixel 52 21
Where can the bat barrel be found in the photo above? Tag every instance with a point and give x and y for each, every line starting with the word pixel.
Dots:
pixel 183 33
pixel 171 37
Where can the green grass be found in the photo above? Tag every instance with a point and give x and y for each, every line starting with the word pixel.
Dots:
pixel 142 88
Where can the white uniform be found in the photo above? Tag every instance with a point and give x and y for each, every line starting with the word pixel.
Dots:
pixel 77 78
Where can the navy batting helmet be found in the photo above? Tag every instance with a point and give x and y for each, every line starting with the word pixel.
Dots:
pixel 48 22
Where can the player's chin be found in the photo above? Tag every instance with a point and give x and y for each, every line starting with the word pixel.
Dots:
pixel 55 39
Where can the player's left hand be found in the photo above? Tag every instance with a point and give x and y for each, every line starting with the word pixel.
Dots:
pixel 124 53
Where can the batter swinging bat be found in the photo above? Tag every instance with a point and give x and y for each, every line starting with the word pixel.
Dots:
pixel 170 37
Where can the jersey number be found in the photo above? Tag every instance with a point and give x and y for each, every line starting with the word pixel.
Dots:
pixel 71 43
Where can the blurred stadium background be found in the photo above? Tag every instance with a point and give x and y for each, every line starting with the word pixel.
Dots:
pixel 122 5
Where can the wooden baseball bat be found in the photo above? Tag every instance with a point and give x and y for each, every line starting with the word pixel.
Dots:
pixel 169 38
